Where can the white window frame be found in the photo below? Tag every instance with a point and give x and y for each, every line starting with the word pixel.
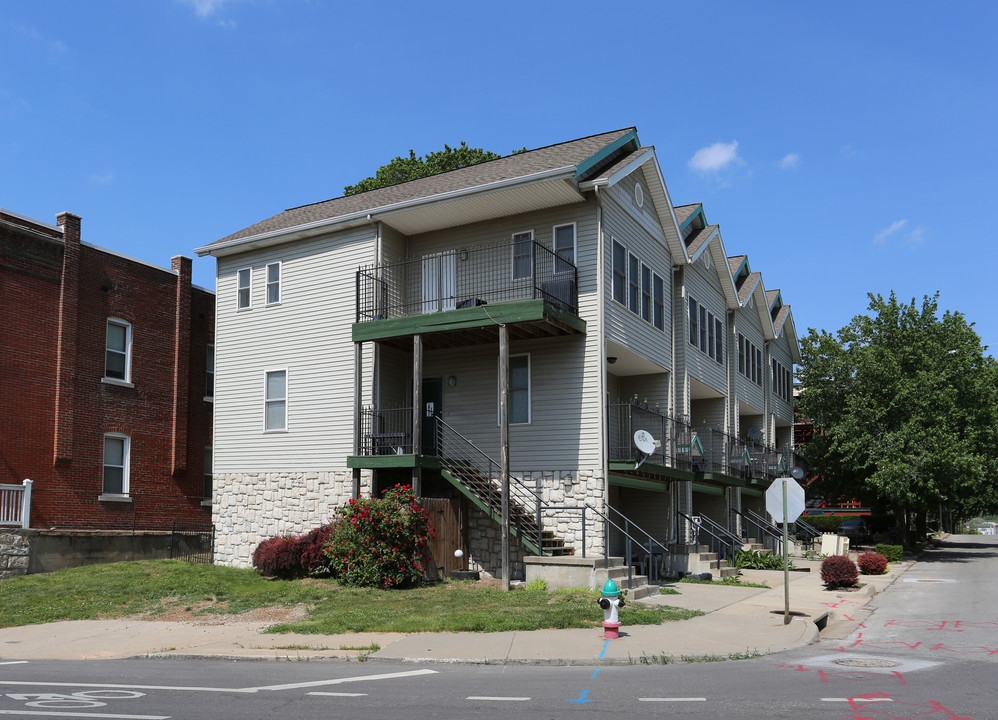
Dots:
pixel 268 401
pixel 125 459
pixel 557 251
pixel 658 304
pixel 209 373
pixel 273 283
pixel 127 327
pixel 530 392
pixel 248 288
pixel 523 235
pixel 616 275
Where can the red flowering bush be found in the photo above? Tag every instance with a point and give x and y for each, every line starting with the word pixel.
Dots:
pixel 839 571
pixel 279 557
pixel 380 542
pixel 872 563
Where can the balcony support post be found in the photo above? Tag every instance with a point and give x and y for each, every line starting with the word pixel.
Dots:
pixel 504 449
pixel 417 412
pixel 358 374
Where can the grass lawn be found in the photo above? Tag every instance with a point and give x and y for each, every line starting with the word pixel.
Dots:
pixel 161 587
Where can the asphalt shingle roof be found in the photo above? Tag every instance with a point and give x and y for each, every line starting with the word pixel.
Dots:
pixel 552 157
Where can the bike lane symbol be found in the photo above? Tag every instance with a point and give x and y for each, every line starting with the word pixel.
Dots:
pixel 83 699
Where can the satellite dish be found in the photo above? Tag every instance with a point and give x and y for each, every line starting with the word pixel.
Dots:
pixel 644 442
pixel 754 433
pixel 797 472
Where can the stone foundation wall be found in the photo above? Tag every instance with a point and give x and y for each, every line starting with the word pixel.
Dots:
pixel 485 548
pixel 15 550
pixel 249 508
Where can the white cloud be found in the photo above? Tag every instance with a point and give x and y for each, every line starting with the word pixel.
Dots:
pixel 881 237
pixel 916 237
pixel 790 162
pixel 716 157
pixel 105 178
pixel 206 9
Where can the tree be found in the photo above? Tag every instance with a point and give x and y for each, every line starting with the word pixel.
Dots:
pixel 905 411
pixel 404 169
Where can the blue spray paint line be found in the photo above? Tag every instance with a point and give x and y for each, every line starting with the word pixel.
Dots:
pixel 595 674
pixel 581 698
pixel 603 651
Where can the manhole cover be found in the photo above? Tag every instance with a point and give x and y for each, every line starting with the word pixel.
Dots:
pixel 866 662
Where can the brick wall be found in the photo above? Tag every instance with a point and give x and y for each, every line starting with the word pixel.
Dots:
pixel 57 296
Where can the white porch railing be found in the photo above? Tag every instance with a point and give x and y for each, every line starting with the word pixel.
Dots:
pixel 15 505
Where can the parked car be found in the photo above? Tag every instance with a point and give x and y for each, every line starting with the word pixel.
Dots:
pixel 855 529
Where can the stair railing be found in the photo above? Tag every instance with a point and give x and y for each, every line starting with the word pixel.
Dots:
pixel 765 527
pixel 458 454
pixel 805 530
pixel 721 537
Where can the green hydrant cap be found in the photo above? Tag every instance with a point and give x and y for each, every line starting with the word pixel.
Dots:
pixel 610 589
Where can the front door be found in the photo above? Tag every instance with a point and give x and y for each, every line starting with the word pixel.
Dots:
pixel 433 404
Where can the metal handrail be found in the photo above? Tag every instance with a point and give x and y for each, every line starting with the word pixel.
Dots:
pixel 809 530
pixel 764 526
pixel 628 557
pixel 454 279
pixel 718 532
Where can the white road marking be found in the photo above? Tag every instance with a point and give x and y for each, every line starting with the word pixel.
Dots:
pixel 863 699
pixel 496 698
pixel 338 681
pixel 689 699
pixel 37 713
pixel 291 686
pixel 15 662
pixel 331 694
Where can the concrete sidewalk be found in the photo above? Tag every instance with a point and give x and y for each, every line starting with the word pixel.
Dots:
pixel 739 622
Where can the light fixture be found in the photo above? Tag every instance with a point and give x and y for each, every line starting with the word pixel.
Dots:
pixel 611 360
pixel 452 381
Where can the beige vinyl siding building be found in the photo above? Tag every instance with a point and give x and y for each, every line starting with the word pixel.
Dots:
pixel 387 325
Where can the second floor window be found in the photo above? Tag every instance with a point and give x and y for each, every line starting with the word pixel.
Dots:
pixel 244 282
pixel 619 273
pixel 276 401
pixel 118 350
pixel 519 389
pixel 564 248
pixel 633 288
pixel 523 252
pixel 658 317
pixel 209 375
pixel 273 283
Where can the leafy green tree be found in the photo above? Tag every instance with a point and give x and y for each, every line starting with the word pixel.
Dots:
pixel 404 169
pixel 905 411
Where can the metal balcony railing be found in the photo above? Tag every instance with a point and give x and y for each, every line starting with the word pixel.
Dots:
pixel 386 431
pixel 455 279
pixel 678 448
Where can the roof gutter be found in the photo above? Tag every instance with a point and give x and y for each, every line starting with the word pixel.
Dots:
pixel 367 216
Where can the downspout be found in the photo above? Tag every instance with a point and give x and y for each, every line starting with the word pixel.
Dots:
pixel 601 334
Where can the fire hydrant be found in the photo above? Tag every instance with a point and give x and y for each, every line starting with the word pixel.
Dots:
pixel 611 601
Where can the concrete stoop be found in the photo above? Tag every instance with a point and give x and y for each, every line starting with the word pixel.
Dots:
pixel 575 571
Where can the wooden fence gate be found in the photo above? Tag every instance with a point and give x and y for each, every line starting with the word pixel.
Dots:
pixel 449 517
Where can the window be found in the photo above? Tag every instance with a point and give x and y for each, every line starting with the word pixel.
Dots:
pixel 750 360
pixel 710 334
pixel 207 473
pixel 276 401
pixel 703 329
pixel 619 272
pixel 209 374
pixel 658 316
pixel 741 354
pixel 519 389
pixel 244 280
pixel 633 290
pixel 273 283
pixel 523 250
pixel 639 195
pixel 719 340
pixel 115 464
pixel 118 350
pixel 564 248
pixel 646 293
pixel 693 323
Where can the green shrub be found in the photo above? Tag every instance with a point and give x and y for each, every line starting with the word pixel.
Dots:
pixel 839 571
pixel 826 523
pixel 754 560
pixel 872 563
pixel 891 552
pixel 380 542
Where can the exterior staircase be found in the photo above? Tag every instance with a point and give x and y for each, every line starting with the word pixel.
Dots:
pixel 638 586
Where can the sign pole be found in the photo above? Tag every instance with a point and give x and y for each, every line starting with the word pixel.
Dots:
pixel 786 562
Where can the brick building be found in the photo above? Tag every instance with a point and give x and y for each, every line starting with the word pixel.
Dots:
pixel 106 380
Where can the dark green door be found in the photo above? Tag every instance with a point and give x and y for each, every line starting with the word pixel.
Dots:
pixel 433 404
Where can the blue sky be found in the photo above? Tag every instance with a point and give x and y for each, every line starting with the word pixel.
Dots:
pixel 846 148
